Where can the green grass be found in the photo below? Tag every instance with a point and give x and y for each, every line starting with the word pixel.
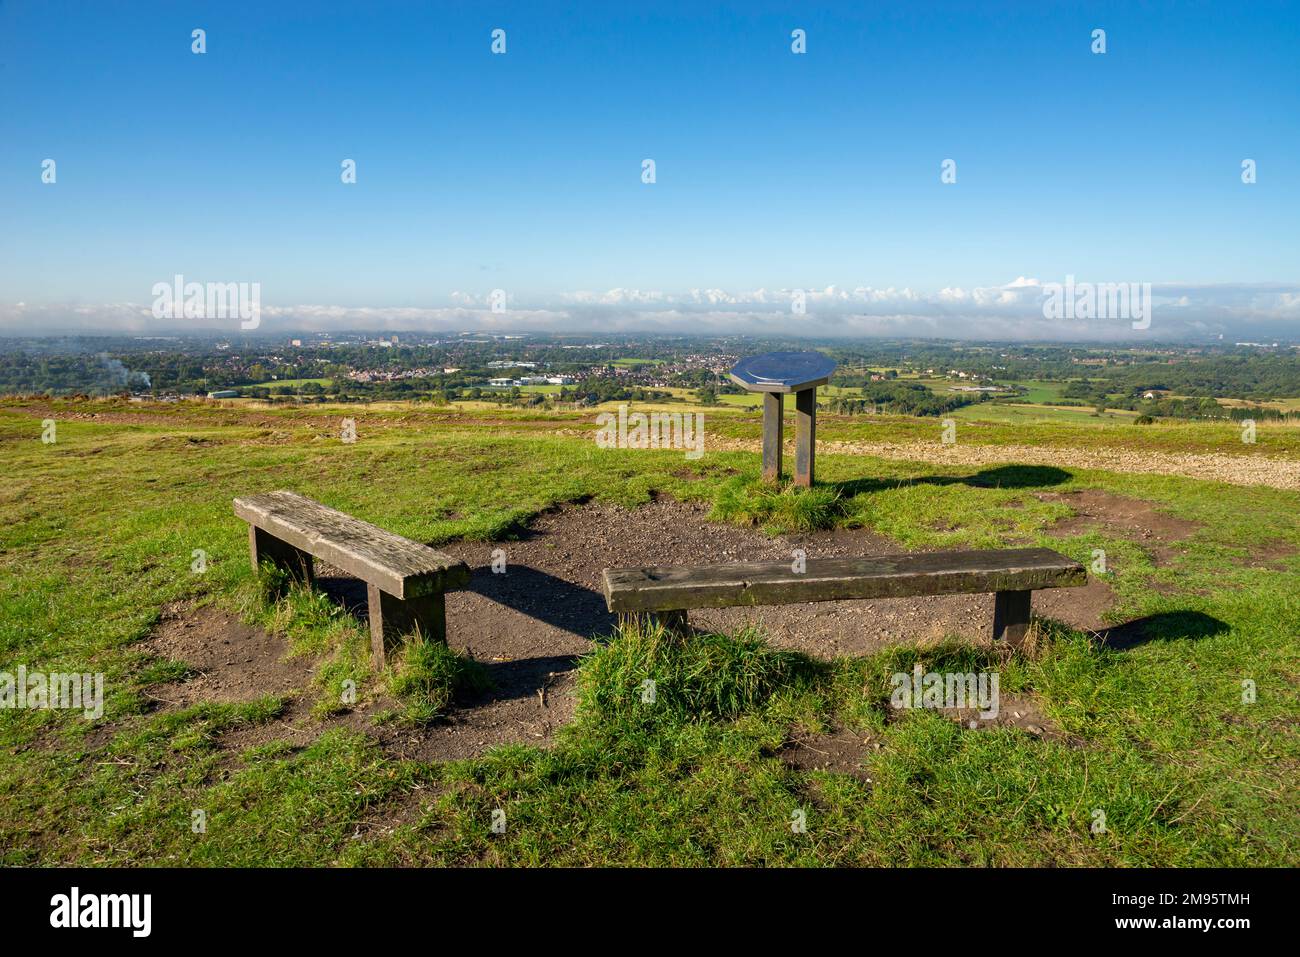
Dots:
pixel 1019 413
pixel 1043 393
pixel 777 509
pixel 635 363
pixel 98 533
pixel 430 675
pixel 645 676
pixel 272 383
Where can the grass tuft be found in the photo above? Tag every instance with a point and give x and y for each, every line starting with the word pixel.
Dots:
pixel 428 677
pixel 701 677
pixel 789 508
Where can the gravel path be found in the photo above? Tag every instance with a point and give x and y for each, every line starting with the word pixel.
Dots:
pixel 1250 469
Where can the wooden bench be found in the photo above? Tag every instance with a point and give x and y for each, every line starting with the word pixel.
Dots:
pixel 405 580
pixel 1013 575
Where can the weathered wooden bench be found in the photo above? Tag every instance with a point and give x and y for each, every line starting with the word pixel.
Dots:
pixel 405 581
pixel 666 593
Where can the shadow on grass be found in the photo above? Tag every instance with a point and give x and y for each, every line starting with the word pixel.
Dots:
pixel 1165 626
pixel 347 592
pixel 779 507
pixel 1004 476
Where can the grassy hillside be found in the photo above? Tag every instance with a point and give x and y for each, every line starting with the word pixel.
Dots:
pixel 98 533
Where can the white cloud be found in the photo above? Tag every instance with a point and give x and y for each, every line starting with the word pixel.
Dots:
pixel 1009 311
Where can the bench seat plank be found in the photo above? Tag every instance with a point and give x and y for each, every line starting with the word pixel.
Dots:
pixel 631 590
pixel 396 565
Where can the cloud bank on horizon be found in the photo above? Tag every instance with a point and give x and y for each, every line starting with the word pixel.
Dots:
pixel 1012 311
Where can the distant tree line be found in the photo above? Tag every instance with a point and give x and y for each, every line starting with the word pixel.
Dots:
pixel 596 390
pixel 899 397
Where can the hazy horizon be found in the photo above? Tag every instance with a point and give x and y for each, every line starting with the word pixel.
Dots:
pixel 1011 312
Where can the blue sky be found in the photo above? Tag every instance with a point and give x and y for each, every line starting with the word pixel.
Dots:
pixel 775 171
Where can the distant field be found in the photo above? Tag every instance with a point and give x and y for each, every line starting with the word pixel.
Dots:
pixel 745 406
pixel 273 383
pixel 747 400
pixel 1282 405
pixel 544 389
pixel 1043 393
pixel 1034 407
pixel 1024 412
pixel 940 386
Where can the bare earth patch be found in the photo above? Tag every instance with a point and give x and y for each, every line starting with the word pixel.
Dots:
pixel 842 751
pixel 1014 711
pixel 529 625
pixel 232 661
pixel 512 713
pixel 1123 517
pixel 845 751
pixel 1275 555
pixel 235 662
pixel 550 600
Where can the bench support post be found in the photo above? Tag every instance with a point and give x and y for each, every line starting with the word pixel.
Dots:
pixel 675 622
pixel 805 436
pixel 1011 616
pixel 263 547
pixel 772 434
pixel 391 618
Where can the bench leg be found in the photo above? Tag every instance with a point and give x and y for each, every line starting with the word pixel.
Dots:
pixel 673 622
pixel 1011 616
pixel 391 618
pixel 296 563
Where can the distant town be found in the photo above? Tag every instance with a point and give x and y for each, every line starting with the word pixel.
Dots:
pixel 923 377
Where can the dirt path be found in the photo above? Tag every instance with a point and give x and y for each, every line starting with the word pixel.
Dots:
pixel 1252 469
pixel 530 624
pixel 549 600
